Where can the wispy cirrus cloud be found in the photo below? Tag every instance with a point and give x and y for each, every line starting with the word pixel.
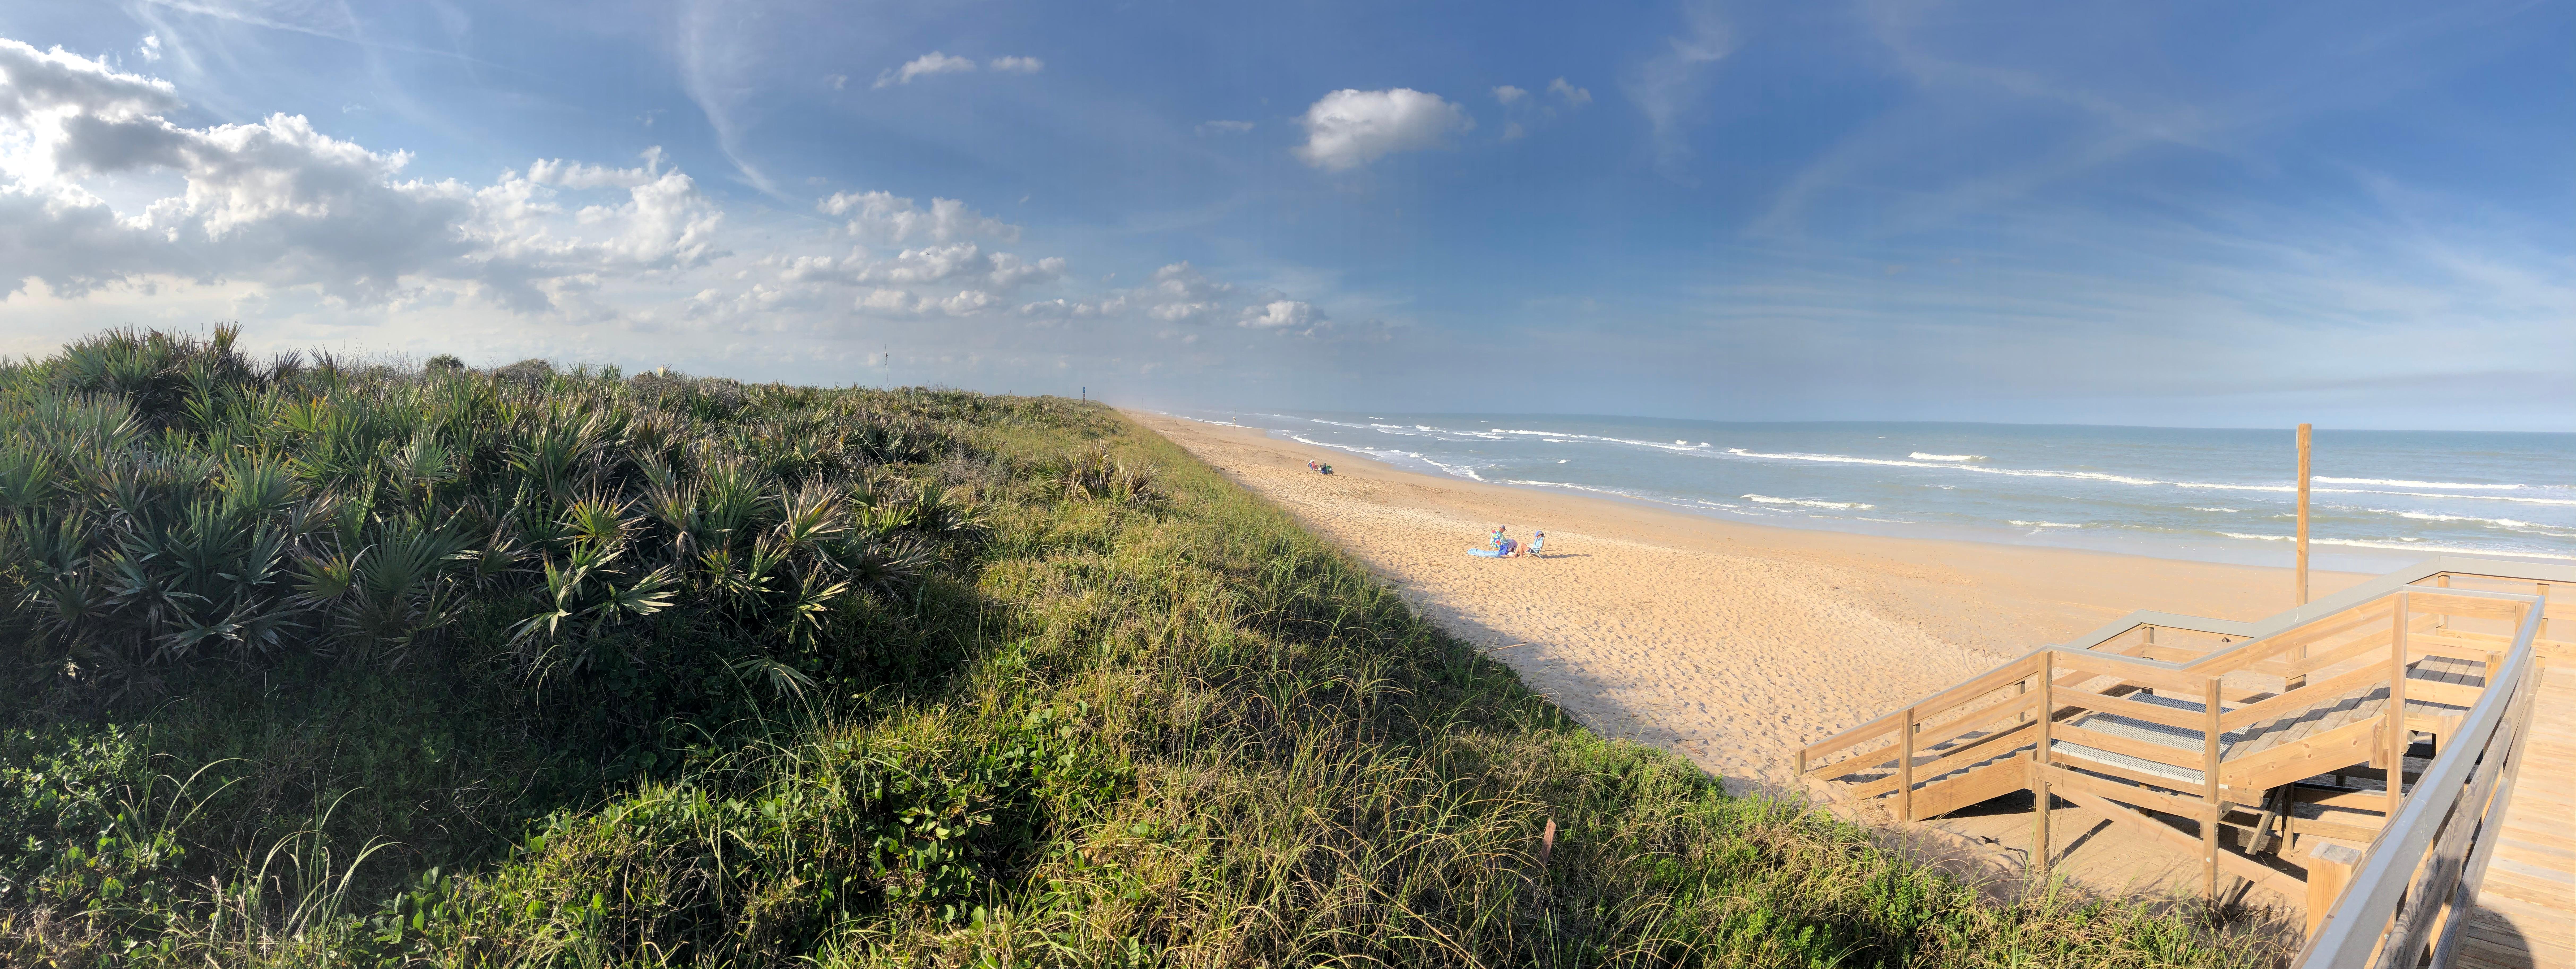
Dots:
pixel 1668 86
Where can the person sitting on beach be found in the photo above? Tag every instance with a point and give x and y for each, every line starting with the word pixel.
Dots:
pixel 1495 540
pixel 1328 469
pixel 1310 465
pixel 1537 541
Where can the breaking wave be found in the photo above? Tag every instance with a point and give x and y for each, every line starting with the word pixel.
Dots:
pixel 1809 502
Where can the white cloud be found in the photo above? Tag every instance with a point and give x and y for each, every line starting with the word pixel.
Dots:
pixel 882 217
pixel 1668 85
pixel 1224 127
pixel 150 49
pixel 924 66
pixel 1349 128
pixel 1061 308
pixel 1181 293
pixel 839 82
pixel 1282 314
pixel 1574 96
pixel 1017 65
pixel 1508 94
pixel 897 302
pixel 280 203
pixel 962 262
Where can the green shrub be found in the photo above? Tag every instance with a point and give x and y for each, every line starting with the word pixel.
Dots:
pixel 325 664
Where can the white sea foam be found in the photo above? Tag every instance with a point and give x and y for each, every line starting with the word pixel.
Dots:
pixel 1920 456
pixel 1456 469
pixel 2042 524
pixel 1885 462
pixel 2122 479
pixel 1576 487
pixel 2230 511
pixel 1809 502
pixel 2510 524
pixel 2425 494
pixel 1369 451
pixel 2401 545
pixel 1563 460
pixel 2402 483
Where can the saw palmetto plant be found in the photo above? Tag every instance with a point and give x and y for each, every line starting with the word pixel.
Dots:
pixel 166 500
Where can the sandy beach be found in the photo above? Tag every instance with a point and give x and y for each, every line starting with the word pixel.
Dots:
pixel 1731 643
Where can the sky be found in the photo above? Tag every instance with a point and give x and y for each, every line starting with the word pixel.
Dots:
pixel 2358 214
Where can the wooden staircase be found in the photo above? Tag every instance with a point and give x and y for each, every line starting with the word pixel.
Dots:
pixel 2275 753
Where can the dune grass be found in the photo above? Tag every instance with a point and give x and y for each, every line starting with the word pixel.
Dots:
pixel 316 663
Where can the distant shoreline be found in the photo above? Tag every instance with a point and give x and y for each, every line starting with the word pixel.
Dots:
pixel 1730 643
pixel 2173 499
pixel 1686 630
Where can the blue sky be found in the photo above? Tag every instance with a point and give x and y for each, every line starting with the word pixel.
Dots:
pixel 2152 214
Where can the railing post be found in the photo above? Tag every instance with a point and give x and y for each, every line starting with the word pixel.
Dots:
pixel 2444 581
pixel 2210 787
pixel 2039 796
pixel 2397 733
pixel 1905 768
pixel 2541 631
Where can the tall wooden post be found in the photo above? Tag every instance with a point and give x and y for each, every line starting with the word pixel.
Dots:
pixel 2039 796
pixel 1905 768
pixel 2211 793
pixel 2305 431
pixel 2397 733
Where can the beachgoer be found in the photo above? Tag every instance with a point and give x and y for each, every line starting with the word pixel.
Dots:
pixel 1310 465
pixel 1328 469
pixel 1495 540
pixel 1537 541
pixel 1506 548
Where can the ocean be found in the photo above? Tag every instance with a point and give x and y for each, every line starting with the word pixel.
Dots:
pixel 2380 499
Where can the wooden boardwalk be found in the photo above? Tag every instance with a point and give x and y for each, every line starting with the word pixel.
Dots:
pixel 2263 761
pixel 2526 917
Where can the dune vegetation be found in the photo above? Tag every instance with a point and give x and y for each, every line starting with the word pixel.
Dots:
pixel 318 662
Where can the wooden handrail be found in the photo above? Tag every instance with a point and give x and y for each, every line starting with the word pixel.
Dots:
pixel 2257 645
pixel 2402 857
pixel 1981 684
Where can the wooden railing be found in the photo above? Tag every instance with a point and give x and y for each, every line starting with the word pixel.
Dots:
pixel 2430 838
pixel 2410 899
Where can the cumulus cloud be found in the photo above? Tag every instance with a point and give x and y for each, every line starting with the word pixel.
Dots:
pixel 962 262
pixel 1574 96
pixel 884 218
pixel 898 302
pixel 150 49
pixel 1350 128
pixel 1282 314
pixel 924 66
pixel 1508 94
pixel 1180 293
pixel 1017 65
pixel 281 203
